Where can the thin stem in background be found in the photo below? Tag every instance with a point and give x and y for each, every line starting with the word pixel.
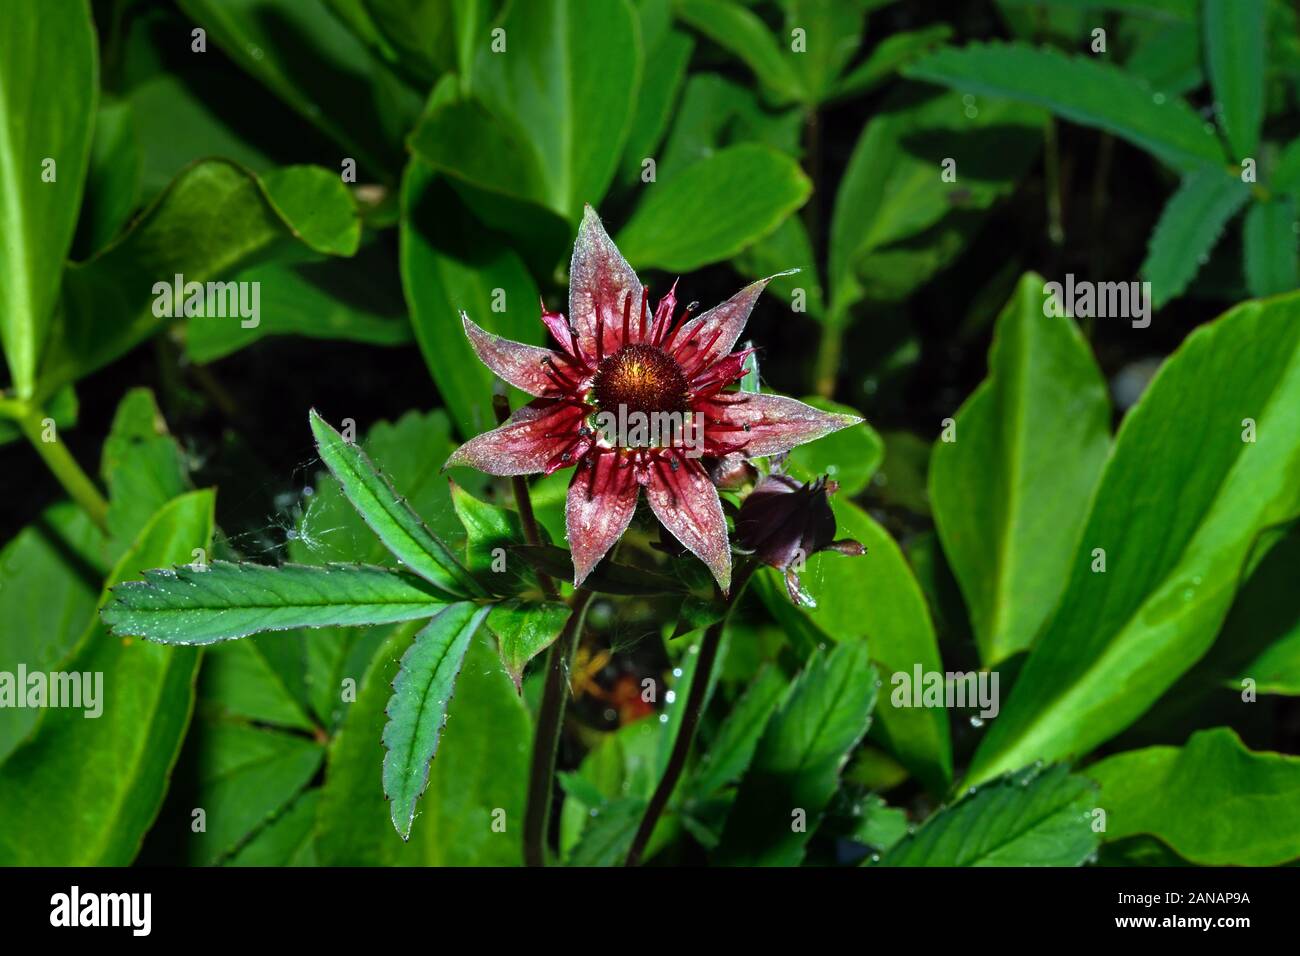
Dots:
pixel 826 366
pixel 694 707
pixel 55 454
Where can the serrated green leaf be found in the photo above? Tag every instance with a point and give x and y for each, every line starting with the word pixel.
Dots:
pixel 288 840
pixel 608 834
pixel 729 754
pixel 1235 58
pixel 389 516
pixel 240 679
pixel 889 56
pixel 1011 493
pixel 1270 247
pixel 1082 90
pixel 1176 515
pixel 740 194
pixel 1189 228
pixel 796 766
pixel 1028 818
pixel 225 601
pixel 1212 800
pixel 523 630
pixel 418 708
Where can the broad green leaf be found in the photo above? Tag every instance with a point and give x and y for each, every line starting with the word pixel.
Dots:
pixel 796 766
pixel 481 770
pixel 388 515
pixel 1260 640
pixel 828 33
pixel 288 840
pixel 875 599
pixel 490 533
pixel 1270 247
pixel 728 756
pixel 142 466
pixel 1011 493
pixel 112 179
pixel 740 194
pixel 621 764
pixel 1082 90
pixel 451 264
pixel 224 600
pixel 523 630
pixel 422 691
pixel 787 255
pixel 1212 800
pixel 241 679
pixel 245 776
pixel 431 36
pixel 609 832
pixel 888 57
pixel 212 222
pixel 83 792
pixel 50 575
pixel 1179 507
pixel 48 82
pixel 1029 818
pixel 1161 11
pixel 1286 172
pixel 734 28
pixel 659 90
pixel 880 826
pixel 1168 56
pixel 319 206
pixel 1189 228
pixel 1235 58
pixel 893 189
pixel 567 81
pixel 850 456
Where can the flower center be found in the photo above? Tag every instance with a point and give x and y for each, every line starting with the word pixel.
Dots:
pixel 643 378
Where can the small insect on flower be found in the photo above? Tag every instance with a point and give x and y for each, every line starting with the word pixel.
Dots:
pixel 665 378
pixel 784 523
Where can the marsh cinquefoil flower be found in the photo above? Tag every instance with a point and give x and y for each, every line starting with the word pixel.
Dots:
pixel 615 354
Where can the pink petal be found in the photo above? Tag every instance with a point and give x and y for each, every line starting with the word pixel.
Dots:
pixel 600 282
pixel 602 500
pixel 708 337
pixel 533 437
pixel 686 503
pixel 763 424
pixel 536 370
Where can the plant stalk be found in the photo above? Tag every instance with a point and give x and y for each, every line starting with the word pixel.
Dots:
pixel 31 421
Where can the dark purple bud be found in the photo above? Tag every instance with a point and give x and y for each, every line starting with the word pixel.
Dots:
pixel 732 472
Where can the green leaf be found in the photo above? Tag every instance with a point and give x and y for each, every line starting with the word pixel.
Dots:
pixel 879 825
pixel 480 775
pixel 141 465
pixel 796 766
pixel 729 755
pixel 1029 818
pixel 1260 640
pixel 491 532
pixel 875 599
pixel 112 179
pixel 224 600
pixel 831 35
pixel 388 515
pixel 245 777
pixel 1011 493
pixel 319 206
pixel 418 709
pixel 1286 172
pixel 212 222
pixel 659 89
pixel 1235 57
pixel 739 194
pixel 568 80
pixel 1081 90
pixel 607 578
pixel 287 841
pixel 523 630
pixel 1179 507
pixel 83 792
pixel 48 81
pixel 50 575
pixel 888 57
pixel 608 834
pixel 736 29
pixel 1212 800
pixel 850 456
pixel 1270 247
pixel 451 264
pixel 246 679
pixel 1189 228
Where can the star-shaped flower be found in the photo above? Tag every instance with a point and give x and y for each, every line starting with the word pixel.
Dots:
pixel 616 358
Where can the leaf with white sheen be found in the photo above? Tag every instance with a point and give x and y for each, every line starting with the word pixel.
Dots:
pixel 1011 494
pixel 1189 228
pixel 1212 800
pixel 1180 506
pixel 48 79
pixel 417 710
pixel 1079 89
pixel 389 516
pixel 1235 55
pixel 1028 818
pixel 225 600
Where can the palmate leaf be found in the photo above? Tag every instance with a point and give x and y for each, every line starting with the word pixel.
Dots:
pixel 227 600
pixel 389 516
pixel 417 710
pixel 1030 818
pixel 1081 90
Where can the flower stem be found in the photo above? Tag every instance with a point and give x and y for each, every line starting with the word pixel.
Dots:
pixel 31 421
pixel 546 741
pixel 827 367
pixel 694 707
